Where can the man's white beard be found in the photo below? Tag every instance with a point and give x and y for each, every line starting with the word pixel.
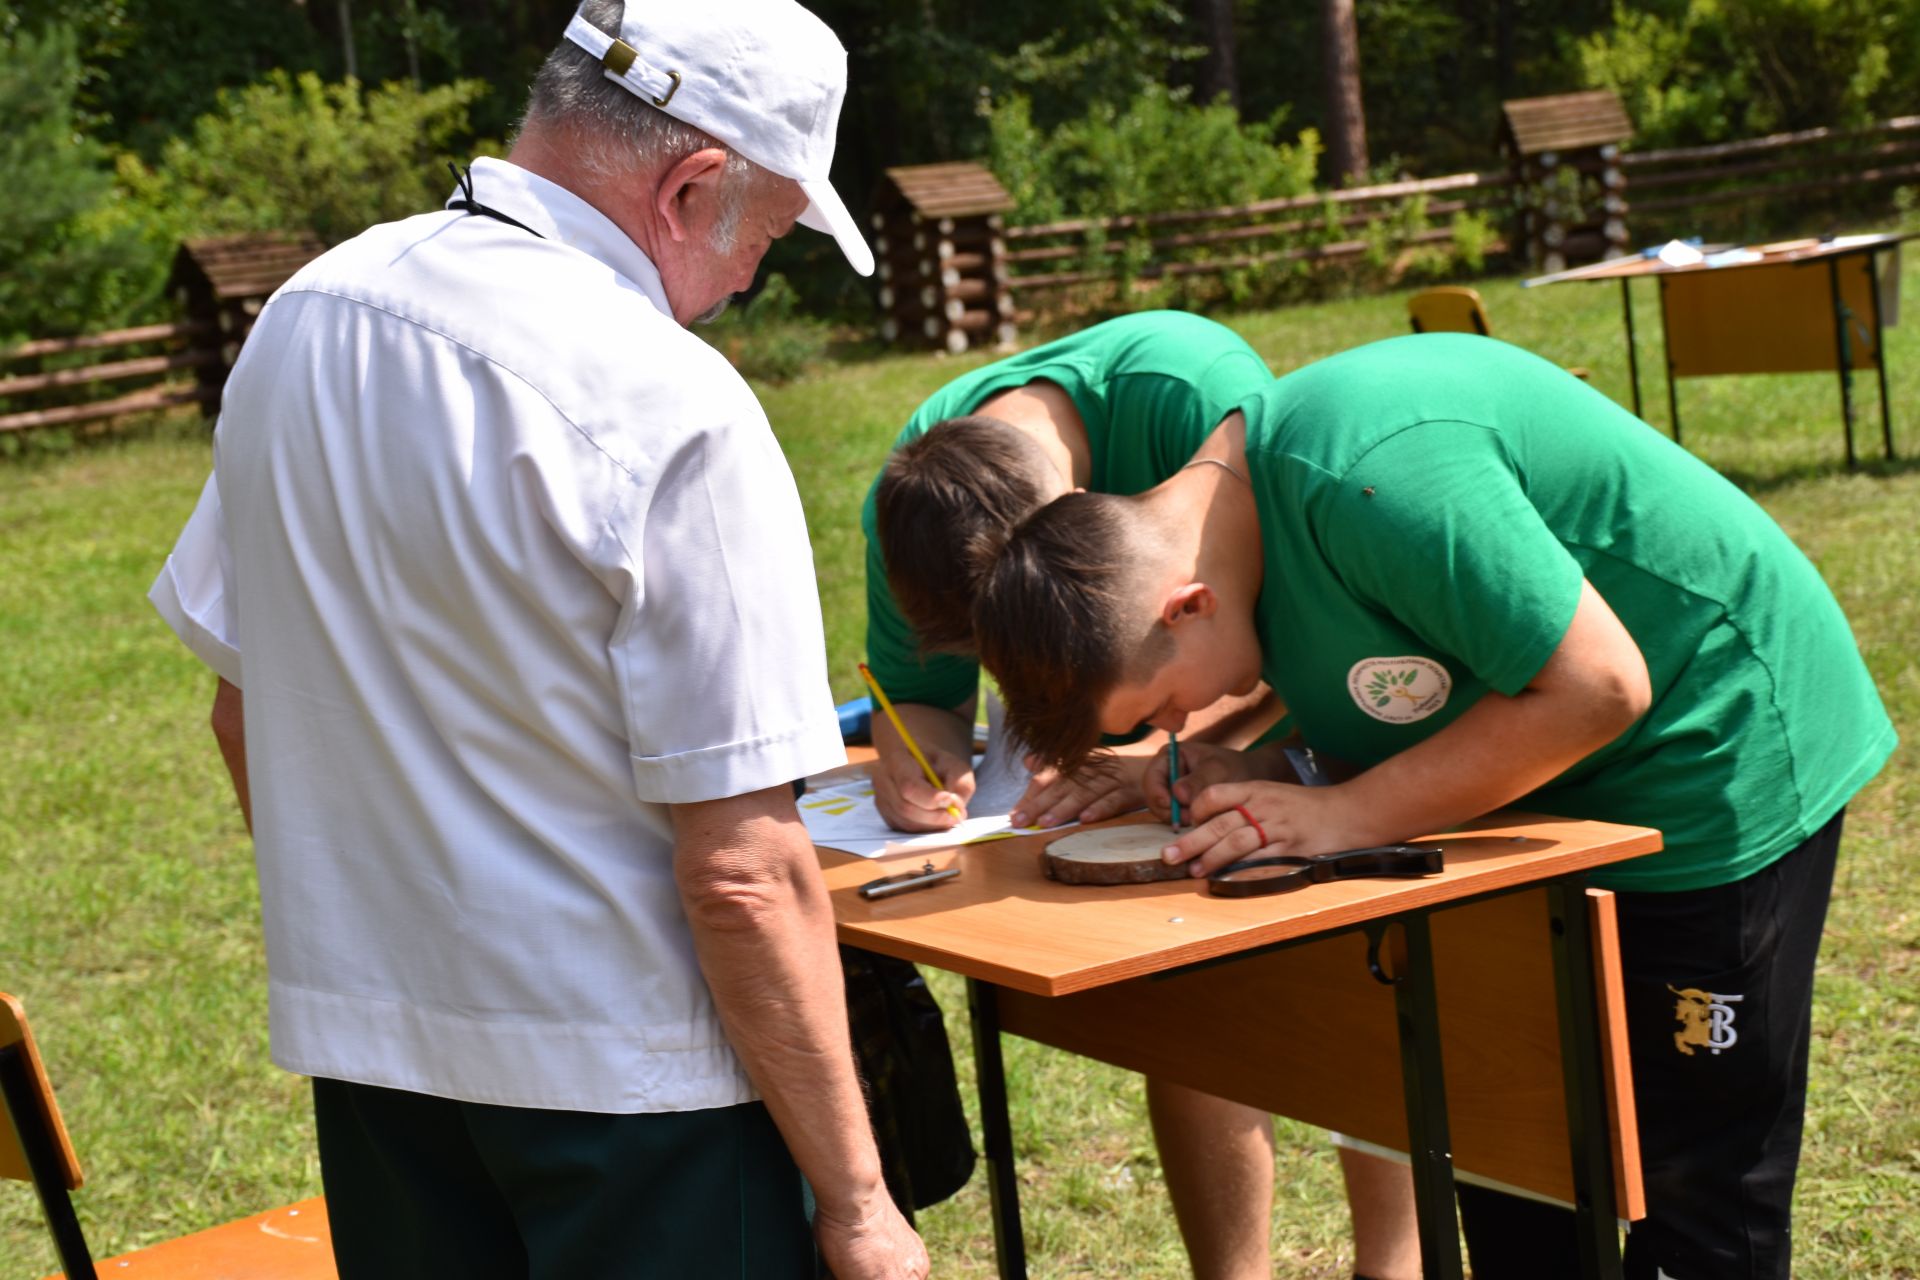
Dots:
pixel 713 312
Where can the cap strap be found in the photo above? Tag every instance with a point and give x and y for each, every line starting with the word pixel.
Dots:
pixel 619 57
pixel 622 63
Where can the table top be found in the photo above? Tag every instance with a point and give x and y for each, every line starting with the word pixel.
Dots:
pixel 1004 922
pixel 1780 253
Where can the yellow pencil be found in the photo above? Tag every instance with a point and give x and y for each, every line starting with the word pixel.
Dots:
pixel 880 696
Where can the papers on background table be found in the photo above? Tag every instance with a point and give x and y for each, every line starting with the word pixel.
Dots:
pixel 844 816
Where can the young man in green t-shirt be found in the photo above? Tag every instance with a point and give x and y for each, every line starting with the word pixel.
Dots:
pixel 1115 408
pixel 1483 583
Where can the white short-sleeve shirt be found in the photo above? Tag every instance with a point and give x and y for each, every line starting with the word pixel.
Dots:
pixel 514 562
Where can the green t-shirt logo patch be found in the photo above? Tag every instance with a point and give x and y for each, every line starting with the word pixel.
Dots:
pixel 1399 690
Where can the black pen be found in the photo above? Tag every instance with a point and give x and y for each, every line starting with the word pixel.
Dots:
pixel 925 878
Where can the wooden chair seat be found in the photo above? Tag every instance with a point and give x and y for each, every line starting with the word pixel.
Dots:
pixel 289 1243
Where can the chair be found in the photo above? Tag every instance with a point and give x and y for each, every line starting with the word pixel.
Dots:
pixel 1454 309
pixel 1451 309
pixel 290 1243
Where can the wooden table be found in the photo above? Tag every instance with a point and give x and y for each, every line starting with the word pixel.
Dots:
pixel 1302 1003
pixel 1796 306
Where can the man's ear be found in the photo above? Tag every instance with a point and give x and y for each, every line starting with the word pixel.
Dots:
pixel 1188 603
pixel 688 197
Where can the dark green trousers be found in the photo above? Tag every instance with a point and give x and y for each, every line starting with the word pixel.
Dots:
pixel 419 1186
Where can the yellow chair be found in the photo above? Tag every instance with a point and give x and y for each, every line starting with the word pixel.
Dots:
pixel 289 1243
pixel 1456 309
pixel 1451 309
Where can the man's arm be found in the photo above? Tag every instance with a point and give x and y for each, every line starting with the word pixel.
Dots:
pixel 230 731
pixel 763 930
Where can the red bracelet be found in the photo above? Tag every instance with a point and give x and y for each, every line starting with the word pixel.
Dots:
pixel 1257 828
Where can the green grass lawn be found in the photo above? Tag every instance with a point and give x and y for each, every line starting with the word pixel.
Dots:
pixel 128 917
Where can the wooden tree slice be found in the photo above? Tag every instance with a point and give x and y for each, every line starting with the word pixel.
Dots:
pixel 1112 855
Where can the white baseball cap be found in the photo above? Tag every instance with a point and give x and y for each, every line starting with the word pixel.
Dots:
pixel 766 77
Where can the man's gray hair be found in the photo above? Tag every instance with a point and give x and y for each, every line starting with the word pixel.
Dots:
pixel 617 133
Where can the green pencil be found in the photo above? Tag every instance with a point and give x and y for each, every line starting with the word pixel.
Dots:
pixel 1173 775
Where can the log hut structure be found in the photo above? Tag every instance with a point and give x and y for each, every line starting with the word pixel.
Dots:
pixel 221 285
pixel 1570 192
pixel 942 260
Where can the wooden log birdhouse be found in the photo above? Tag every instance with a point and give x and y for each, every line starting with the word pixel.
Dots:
pixel 941 258
pixel 1570 195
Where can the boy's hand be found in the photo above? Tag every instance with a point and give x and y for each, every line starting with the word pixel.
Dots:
pixel 908 801
pixel 1201 765
pixel 1102 787
pixel 1236 820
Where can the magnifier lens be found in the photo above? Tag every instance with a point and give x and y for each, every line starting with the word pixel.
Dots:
pixel 1267 872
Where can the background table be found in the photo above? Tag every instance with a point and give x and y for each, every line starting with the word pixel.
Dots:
pixel 1798 306
pixel 1237 997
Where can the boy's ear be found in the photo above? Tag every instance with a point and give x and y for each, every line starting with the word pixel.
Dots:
pixel 1188 603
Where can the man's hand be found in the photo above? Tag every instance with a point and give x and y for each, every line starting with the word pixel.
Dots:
pixel 872 1241
pixel 901 791
pixel 1107 784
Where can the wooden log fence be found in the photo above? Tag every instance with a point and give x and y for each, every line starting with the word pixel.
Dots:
pixel 87 392
pixel 1190 242
pixel 966 281
pixel 1656 186
pixel 1778 167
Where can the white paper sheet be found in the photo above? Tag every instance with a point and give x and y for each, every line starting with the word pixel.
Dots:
pixel 845 817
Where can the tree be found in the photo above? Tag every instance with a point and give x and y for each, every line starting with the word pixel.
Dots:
pixel 76 257
pixel 1216 75
pixel 1346 117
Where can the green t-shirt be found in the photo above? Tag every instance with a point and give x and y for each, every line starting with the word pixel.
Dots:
pixel 1149 387
pixel 1428 507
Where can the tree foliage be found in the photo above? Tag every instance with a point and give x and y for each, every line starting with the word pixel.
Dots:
pixel 1138 157
pixel 229 115
pixel 1709 70
pixel 72 254
pixel 293 152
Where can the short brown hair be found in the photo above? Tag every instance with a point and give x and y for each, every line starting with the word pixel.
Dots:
pixel 1055 618
pixel 945 504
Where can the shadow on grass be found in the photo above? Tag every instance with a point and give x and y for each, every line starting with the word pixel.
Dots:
pixel 1755 483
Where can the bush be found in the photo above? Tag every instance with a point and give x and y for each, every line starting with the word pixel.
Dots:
pixel 768 339
pixel 295 153
pixel 1713 71
pixel 76 256
pixel 1161 153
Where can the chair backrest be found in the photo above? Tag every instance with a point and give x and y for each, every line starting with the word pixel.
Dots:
pixel 30 1115
pixel 1451 309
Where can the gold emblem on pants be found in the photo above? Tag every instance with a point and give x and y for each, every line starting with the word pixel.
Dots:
pixel 1705 1019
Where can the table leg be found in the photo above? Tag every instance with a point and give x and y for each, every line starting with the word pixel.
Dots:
pixel 996 1132
pixel 1844 347
pixel 1595 1214
pixel 1633 347
pixel 1429 1145
pixel 1673 397
pixel 1880 355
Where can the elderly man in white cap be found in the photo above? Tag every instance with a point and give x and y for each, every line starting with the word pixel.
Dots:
pixel 531 653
